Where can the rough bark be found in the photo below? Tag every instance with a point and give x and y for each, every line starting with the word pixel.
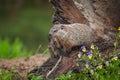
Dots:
pixel 76 23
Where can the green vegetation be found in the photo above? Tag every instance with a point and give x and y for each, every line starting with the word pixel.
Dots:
pixel 13 50
pixel 95 68
pixel 6 76
pixel 112 72
pixel 32 77
pixel 30 24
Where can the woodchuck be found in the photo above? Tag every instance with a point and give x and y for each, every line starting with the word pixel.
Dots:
pixel 63 37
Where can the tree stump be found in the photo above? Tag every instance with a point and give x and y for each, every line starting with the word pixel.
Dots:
pixel 77 23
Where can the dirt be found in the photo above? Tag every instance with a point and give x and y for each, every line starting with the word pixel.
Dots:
pixel 23 65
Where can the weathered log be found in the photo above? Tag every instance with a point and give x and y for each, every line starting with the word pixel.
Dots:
pixel 77 23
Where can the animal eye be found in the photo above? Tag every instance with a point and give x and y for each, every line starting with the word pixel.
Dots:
pixel 62 27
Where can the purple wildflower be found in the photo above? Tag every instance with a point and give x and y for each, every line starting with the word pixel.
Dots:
pixel 89 53
pixel 83 48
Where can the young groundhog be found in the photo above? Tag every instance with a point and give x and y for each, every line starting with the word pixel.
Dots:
pixel 66 36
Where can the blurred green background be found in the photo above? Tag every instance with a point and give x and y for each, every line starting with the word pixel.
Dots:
pixel 28 20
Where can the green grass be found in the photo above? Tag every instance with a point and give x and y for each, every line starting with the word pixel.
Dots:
pixel 14 49
pixel 6 76
pixel 31 25
pixel 32 77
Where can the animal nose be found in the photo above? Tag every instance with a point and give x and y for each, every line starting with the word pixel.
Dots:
pixel 49 34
